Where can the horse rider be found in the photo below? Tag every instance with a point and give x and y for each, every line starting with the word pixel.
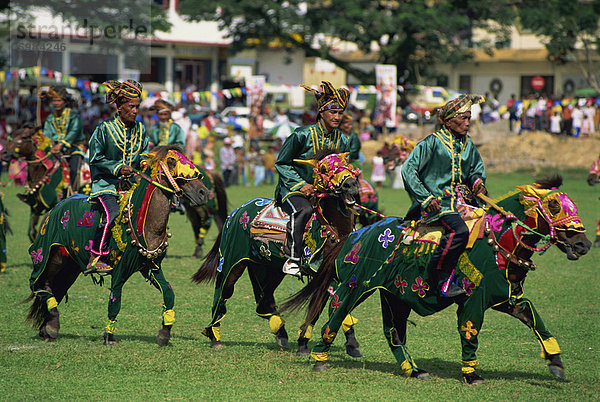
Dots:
pixel 347 128
pixel 64 127
pixel 116 149
pixel 431 173
pixel 295 184
pixel 166 131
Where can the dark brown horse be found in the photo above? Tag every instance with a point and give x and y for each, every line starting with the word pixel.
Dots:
pixel 138 241
pixel 240 246
pixel 47 173
pixel 215 209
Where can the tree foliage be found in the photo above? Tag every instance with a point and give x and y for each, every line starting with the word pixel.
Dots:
pixel 414 35
pixel 570 31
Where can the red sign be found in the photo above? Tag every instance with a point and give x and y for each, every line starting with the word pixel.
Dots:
pixel 538 83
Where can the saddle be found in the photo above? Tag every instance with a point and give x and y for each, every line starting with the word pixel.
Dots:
pixel 473 216
pixel 271 223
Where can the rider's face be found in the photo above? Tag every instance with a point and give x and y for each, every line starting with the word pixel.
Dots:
pixel 346 126
pixel 459 124
pixel 128 110
pixel 164 116
pixel 332 118
pixel 58 104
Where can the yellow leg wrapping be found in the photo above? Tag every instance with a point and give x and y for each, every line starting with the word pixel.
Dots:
pixel 406 368
pixel 51 303
pixel 469 366
pixel 550 347
pixel 308 333
pixel 217 333
pixel 275 323
pixel 2 266
pixel 320 357
pixel 169 317
pixel 202 233
pixel 110 326
pixel 348 323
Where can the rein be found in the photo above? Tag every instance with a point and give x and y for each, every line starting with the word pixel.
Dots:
pixel 548 239
pixel 371 211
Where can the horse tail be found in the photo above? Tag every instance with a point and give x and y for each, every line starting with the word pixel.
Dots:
pixel 315 292
pixel 208 270
pixel 37 312
pixel 221 195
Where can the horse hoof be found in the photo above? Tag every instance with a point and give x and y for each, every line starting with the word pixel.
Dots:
pixel 53 324
pixel 303 351
pixel 109 339
pixel 473 379
pixel 164 334
pixel 557 371
pixel 420 375
pixel 319 366
pixel 216 344
pixel 352 351
pixel 281 337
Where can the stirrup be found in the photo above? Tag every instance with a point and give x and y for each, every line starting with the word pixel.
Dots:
pixel 450 289
pixel 97 267
pixel 291 267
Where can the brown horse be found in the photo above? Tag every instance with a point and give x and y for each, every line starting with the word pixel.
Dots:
pixel 240 246
pixel 139 241
pixel 47 173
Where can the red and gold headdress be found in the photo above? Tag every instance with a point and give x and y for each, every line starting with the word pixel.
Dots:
pixel 329 97
pixel 115 90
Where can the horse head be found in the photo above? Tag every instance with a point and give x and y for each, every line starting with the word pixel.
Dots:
pixel 174 171
pixel 556 215
pixel 334 176
pixel 24 142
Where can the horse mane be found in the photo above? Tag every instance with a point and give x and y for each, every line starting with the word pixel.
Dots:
pixel 160 152
pixel 322 153
pixel 550 182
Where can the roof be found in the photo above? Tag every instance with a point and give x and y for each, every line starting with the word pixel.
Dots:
pixel 512 55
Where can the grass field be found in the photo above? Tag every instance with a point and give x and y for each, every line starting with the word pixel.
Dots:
pixel 78 366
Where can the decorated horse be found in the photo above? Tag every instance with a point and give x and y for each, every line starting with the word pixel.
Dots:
pixel 392 256
pixel 253 237
pixel 138 241
pixel 4 230
pixel 592 179
pixel 215 208
pixel 47 173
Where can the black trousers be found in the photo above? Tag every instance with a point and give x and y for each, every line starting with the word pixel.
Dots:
pixel 452 244
pixel 74 168
pixel 109 208
pixel 299 208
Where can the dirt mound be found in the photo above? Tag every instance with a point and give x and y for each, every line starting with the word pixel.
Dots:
pixel 503 151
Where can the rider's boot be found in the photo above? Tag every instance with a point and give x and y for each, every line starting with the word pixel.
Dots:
pixel 447 287
pixel 292 267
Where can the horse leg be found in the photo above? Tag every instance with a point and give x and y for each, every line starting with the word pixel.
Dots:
pixel 342 303
pixel 264 284
pixel 524 310
pixel 395 317
pixel 224 288
pixel 352 345
pixel 32 231
pixel 157 279
pixel 114 307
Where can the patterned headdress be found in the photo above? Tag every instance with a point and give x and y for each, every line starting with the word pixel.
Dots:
pixel 329 97
pixel 162 105
pixel 536 199
pixel 457 106
pixel 115 90
pixel 56 92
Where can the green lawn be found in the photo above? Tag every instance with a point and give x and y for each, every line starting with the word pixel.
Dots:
pixel 78 366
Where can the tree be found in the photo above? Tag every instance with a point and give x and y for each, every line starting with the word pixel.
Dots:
pixel 414 35
pixel 570 31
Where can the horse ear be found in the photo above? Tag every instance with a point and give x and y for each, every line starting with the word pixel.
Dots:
pixel 308 162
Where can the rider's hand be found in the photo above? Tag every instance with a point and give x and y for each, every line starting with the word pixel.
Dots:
pixel 126 171
pixel 433 206
pixel 308 189
pixel 56 148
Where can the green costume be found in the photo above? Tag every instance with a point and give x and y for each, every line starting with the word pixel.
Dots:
pixel 354 147
pixel 437 164
pixel 171 134
pixel 3 230
pixel 302 143
pixel 112 146
pixel 66 129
